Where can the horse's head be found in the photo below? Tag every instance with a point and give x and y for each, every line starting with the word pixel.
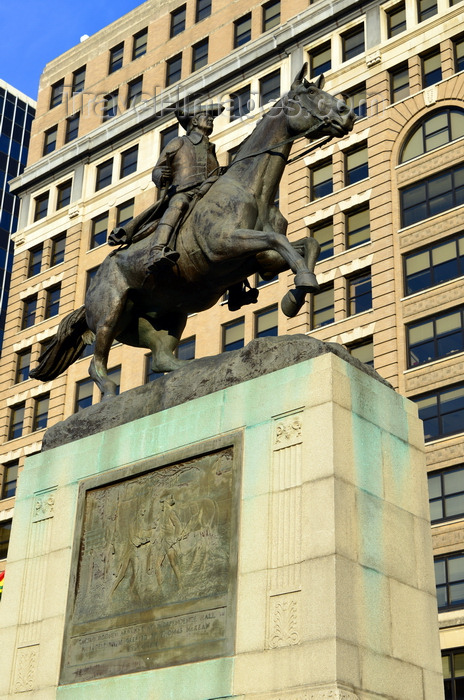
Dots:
pixel 308 107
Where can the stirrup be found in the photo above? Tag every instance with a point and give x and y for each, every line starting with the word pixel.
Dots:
pixel 163 257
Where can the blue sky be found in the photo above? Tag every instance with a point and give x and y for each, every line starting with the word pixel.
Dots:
pixel 34 32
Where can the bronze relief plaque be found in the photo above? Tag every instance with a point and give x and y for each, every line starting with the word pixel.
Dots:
pixel 153 579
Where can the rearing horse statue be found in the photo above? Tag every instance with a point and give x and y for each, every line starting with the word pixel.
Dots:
pixel 235 230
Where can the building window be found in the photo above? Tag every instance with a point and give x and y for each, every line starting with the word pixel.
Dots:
pixel 186 349
pixel 129 161
pixel 116 58
pixel 396 20
pixel 203 10
pixel 84 394
pixel 35 260
pixel 78 80
pixel 323 234
pixel 10 478
pixel 449 579
pixel 363 351
pixel 240 103
pixel 167 135
pixel 320 60
pixel 358 227
pixel 110 105
pixel 72 127
pixel 321 180
pixel 269 88
pixel 150 374
pixel 200 55
pixel 399 83
pixel 90 276
pixel 436 130
pixel 434 265
pixel 58 248
pixel 16 421
pixel 446 494
pixel 139 46
pixel 438 336
pixel 115 375
pixel 99 230
pixel 431 68
pixel 178 20
pixel 442 412
pixel 134 93
pixel 41 206
pixel 453 663
pixel 266 322
pixel 356 165
pixel 41 407
pixel 322 307
pixel 271 14
pixel 5 531
pixel 173 69
pixel 104 174
pixel 124 213
pixel 356 99
pixel 426 9
pixel 52 304
pixel 458 45
pixel 233 335
pixel 63 194
pixel 432 196
pixel 359 293
pixel 56 95
pixel 29 312
pixel 23 365
pixel 242 30
pixel 50 140
pixel 353 42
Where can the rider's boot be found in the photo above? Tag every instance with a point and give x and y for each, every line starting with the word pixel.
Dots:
pixel 162 256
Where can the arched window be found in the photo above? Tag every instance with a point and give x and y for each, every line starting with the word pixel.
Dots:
pixel 434 131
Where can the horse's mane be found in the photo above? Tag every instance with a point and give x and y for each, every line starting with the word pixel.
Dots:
pixel 242 150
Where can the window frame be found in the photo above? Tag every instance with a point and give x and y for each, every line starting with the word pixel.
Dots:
pixel 432 266
pixel 127 169
pixel 170 72
pixel 72 127
pixel 446 558
pixel 16 429
pixel 78 81
pixel 116 58
pixel 393 73
pixel 93 234
pixel 426 80
pixel 50 145
pixel 87 382
pixel 110 105
pixel 450 681
pixel 39 212
pixel 203 10
pixel 56 93
pixel 6 481
pixel 270 22
pixel 348 55
pixel 351 296
pixel 32 263
pixel 52 301
pixel 199 61
pixel 392 30
pixel 38 418
pixel 262 313
pixel 264 93
pixel 20 368
pixel 136 49
pixel 29 312
pixel 237 344
pixel 435 338
pixel 423 15
pixel 454 192
pixel 320 50
pixel 5 525
pixel 242 35
pixel 350 213
pixel 444 496
pixel 321 226
pixel 134 92
pixel 54 253
pixel 314 187
pixel 314 312
pixel 440 414
pixel 175 14
pixel 63 194
pixel 105 179
pixel 349 171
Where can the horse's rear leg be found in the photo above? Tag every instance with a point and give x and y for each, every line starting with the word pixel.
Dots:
pixel 163 342
pixel 104 335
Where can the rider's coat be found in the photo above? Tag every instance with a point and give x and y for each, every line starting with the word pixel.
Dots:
pixel 192 159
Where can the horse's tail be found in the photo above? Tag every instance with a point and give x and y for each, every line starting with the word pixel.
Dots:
pixel 66 347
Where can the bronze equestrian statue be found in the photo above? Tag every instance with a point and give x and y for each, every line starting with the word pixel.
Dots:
pixel 233 231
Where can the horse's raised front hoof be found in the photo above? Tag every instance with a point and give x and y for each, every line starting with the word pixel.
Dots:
pixel 307 281
pixel 292 302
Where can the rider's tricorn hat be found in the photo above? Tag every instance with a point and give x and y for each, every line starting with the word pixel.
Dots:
pixel 185 115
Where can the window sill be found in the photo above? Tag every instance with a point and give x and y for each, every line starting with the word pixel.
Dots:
pixel 429 289
pixel 438 361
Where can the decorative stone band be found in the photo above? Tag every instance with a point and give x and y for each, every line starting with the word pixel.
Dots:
pixel 332 692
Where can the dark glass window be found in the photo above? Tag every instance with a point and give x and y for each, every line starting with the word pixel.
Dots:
pixel 63 194
pixel 453 659
pixel 186 349
pixel 50 140
pixel 358 227
pixel 5 531
pixel 99 230
pixel 10 478
pixel 320 59
pixel 173 69
pixel 29 312
pixel 35 260
pixel 240 103
pixel 242 30
pixel 321 180
pixel 134 92
pixel 16 421
pixel 178 20
pixel 322 307
pixel 150 374
pixel 356 165
pixel 458 45
pixel 266 322
pixel 426 9
pixel 78 80
pixel 56 95
pixel 58 249
pixel 432 196
pixel 233 335
pixel 353 42
pixel 168 134
pixel 434 265
pixel 359 293
pixel 129 161
pixel 72 127
pixel 446 494
pixel 84 394
pixel 442 412
pixel 396 20
pixel 41 407
pixel 203 10
pixel 269 87
pixel 431 68
pixel 41 206
pixel 271 14
pixel 323 233
pixel 52 304
pixel 437 336
pixel 110 105
pixel 436 130
pixel 104 174
pixel 139 47
pixel 116 58
pixel 399 83
pixel 23 365
pixel 449 579
pixel 363 351
pixel 356 99
pixel 125 212
pixel 200 55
